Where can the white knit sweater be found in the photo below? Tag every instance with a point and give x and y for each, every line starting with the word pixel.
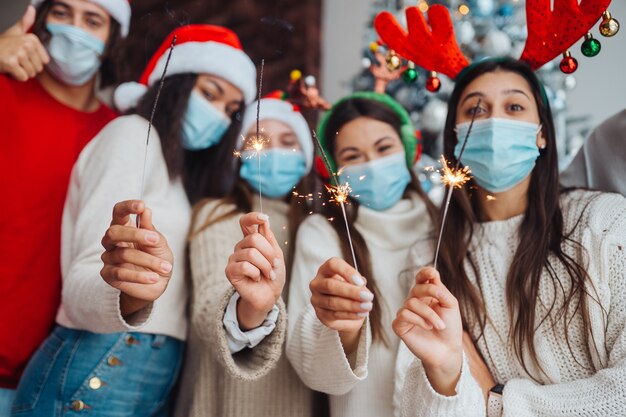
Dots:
pixel 315 351
pixel 570 388
pixel 109 170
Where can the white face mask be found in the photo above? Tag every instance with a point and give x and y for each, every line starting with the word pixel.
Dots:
pixel 74 54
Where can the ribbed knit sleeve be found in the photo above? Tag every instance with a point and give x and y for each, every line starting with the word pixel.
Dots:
pixel 208 253
pixel 108 170
pixel 314 350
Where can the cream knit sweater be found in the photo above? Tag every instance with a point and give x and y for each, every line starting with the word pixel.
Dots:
pixel 253 382
pixel 368 386
pixel 570 388
pixel 109 170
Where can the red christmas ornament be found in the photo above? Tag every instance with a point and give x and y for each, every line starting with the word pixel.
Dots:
pixel 568 64
pixel 433 83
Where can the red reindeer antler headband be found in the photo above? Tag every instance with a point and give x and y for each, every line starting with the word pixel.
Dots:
pixel 550 33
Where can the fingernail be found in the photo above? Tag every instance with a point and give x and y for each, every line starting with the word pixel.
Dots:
pixel 366 296
pixel 440 324
pixel 363 314
pixel 273 275
pixel 166 266
pixel 367 306
pixel 263 217
pixel 153 278
pixel 358 280
pixel 135 206
pixel 276 263
pixel 152 237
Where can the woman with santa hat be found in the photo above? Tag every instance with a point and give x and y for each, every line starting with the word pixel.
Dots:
pixel 46 121
pixel 115 352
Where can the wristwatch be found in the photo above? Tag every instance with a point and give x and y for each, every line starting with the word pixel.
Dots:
pixel 494 403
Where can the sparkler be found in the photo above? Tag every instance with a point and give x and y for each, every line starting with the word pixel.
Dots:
pixel 339 194
pixel 258 143
pixel 154 106
pixel 454 178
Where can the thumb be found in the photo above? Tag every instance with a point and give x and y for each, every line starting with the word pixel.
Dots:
pixel 28 20
pixel 25 23
pixel 145 220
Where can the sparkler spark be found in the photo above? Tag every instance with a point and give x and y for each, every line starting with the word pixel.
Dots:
pixel 338 192
pixel 454 178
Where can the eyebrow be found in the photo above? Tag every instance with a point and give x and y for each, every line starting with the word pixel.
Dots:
pixel 381 139
pixel 217 86
pixel 515 91
pixel 474 94
pixel 94 14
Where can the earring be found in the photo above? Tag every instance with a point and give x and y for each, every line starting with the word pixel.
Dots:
pixel 542 146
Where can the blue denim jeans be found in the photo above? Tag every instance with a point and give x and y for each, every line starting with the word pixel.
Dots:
pixel 6 399
pixel 114 375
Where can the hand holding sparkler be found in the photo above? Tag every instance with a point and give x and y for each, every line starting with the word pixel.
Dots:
pixel 137 260
pixel 430 325
pixel 256 270
pixel 341 300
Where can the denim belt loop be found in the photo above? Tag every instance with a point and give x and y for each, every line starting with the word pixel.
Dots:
pixel 158 341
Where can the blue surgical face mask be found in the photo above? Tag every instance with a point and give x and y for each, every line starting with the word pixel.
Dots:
pixel 74 54
pixel 378 184
pixel 281 170
pixel 203 125
pixel 501 153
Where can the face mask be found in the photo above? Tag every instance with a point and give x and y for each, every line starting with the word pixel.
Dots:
pixel 281 170
pixel 203 125
pixel 378 184
pixel 500 152
pixel 74 54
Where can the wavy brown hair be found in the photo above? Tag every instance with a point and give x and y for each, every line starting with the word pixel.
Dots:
pixel 342 114
pixel 541 234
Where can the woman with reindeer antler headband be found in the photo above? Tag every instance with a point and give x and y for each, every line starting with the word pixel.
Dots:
pixel 534 273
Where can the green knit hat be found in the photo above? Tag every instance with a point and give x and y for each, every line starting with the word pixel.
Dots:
pixel 407 131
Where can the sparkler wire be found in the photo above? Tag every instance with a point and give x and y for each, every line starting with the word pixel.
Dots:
pixel 258 112
pixel 154 106
pixel 451 186
pixel 333 175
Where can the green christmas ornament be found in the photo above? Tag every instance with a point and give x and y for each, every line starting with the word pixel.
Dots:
pixel 409 76
pixel 591 46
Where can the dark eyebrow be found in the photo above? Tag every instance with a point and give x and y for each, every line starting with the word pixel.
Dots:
pixel 382 139
pixel 474 94
pixel 219 87
pixel 515 91
pixel 349 148
pixel 94 14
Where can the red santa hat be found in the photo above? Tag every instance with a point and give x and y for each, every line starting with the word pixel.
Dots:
pixel 199 49
pixel 118 9
pixel 285 112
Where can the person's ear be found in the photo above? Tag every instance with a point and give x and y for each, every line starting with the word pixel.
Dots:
pixel 541 139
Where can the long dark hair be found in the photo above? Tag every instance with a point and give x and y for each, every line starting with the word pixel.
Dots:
pixel 112 51
pixel 540 234
pixel 205 173
pixel 342 114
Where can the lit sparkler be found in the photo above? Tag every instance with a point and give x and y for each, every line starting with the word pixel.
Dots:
pixel 339 194
pixel 453 178
pixel 258 142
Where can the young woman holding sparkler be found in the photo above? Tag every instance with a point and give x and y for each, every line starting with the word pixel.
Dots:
pixel 339 337
pixel 85 364
pixel 235 365
pixel 535 273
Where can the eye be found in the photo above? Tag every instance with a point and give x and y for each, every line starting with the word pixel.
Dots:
pixel 516 107
pixel 475 110
pixel 59 13
pixel 94 23
pixel 208 95
pixel 384 148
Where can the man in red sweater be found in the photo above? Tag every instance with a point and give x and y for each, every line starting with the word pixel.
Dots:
pixel 46 121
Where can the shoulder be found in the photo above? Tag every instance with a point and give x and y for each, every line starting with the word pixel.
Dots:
pixel 211 210
pixel 602 213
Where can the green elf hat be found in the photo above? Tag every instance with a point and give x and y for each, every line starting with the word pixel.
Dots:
pixel 410 138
